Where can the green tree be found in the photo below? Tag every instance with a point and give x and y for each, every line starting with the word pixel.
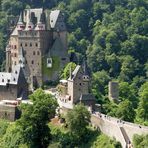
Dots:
pixel 127 91
pixel 129 67
pixel 77 120
pixel 142 110
pixel 66 72
pixel 126 111
pixel 100 80
pixel 32 128
pixel 140 141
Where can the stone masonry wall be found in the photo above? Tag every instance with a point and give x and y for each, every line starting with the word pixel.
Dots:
pixel 111 127
pixel 8 93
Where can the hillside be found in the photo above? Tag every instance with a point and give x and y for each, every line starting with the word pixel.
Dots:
pixel 112 35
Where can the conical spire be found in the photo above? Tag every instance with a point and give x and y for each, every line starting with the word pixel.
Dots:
pixel 20 19
pixel 29 24
pixel 85 70
pixel 20 24
pixel 40 23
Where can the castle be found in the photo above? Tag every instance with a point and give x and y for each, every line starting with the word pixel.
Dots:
pixel 76 90
pixel 35 53
pixel 39 44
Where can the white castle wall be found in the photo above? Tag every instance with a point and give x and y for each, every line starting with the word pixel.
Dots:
pixel 111 127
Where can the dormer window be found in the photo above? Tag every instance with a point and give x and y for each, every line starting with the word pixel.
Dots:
pixel 49 62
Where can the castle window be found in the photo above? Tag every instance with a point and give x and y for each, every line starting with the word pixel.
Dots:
pixel 38 53
pixel 51 20
pixel 15 55
pixel 80 83
pixel 33 52
pixel 36 44
pixel 14 79
pixel 15 72
pixel 2 80
pixel 15 63
pixel 21 44
pixel 49 62
pixel 32 62
pixel 14 46
pixel 25 44
pixel 30 44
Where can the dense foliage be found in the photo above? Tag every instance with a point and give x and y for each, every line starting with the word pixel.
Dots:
pixel 77 133
pixel 77 120
pixel 111 35
pixel 140 141
pixel 31 129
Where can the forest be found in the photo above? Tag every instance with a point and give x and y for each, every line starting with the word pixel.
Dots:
pixel 112 36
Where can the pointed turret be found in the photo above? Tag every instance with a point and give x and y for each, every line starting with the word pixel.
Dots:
pixel 21 57
pixel 85 75
pixel 29 24
pixel 20 24
pixel 40 24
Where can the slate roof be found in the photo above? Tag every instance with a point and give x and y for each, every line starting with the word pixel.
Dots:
pixel 15 32
pixel 87 97
pixel 11 78
pixel 74 73
pixel 20 21
pixel 53 17
pixel 57 48
pixel 37 13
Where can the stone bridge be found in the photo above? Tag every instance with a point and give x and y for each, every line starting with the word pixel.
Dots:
pixel 120 130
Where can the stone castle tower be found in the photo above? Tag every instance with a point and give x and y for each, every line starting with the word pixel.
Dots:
pixel 39 44
pixel 78 87
pixel 113 91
